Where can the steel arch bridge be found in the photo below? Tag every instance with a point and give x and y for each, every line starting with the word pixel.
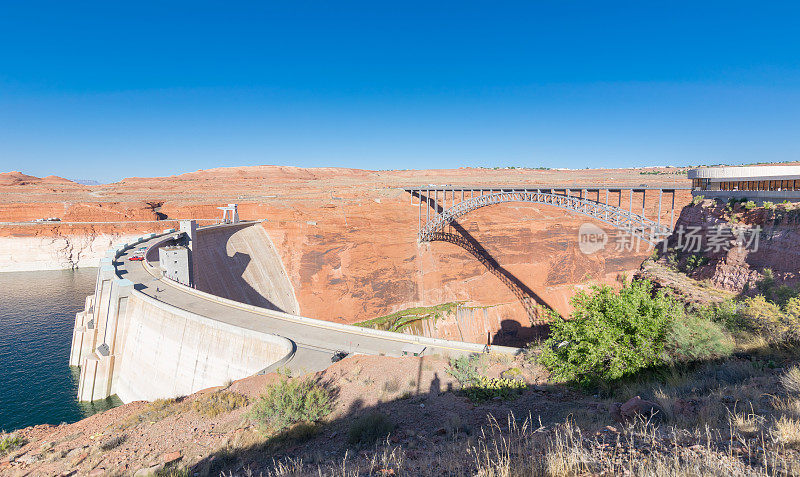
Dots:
pixel 636 224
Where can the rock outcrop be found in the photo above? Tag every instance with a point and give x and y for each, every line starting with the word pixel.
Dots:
pixel 736 244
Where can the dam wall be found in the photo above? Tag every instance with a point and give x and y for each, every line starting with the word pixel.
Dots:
pixel 239 262
pixel 139 348
pixel 142 336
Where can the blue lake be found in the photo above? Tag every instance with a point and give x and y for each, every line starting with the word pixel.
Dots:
pixel 37 315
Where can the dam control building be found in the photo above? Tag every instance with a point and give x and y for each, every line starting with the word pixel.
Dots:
pixel 757 183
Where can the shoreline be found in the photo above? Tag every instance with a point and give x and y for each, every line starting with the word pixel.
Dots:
pixel 63 252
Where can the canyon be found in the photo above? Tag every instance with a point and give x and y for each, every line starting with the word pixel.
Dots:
pixel 347 238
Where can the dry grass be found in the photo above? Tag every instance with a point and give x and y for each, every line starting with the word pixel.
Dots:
pixel 786 406
pixel 153 412
pixel 791 380
pixel 786 431
pixel 391 386
pixel 505 449
pixel 747 423
pixel 218 402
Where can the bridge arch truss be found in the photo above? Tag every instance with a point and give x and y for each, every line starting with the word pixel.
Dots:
pixel 441 206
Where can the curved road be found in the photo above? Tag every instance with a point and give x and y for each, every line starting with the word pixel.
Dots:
pixel 316 341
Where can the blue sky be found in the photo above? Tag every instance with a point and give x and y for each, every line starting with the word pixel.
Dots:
pixel 108 90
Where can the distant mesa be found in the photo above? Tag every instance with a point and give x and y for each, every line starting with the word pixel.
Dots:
pixel 18 178
pixel 89 182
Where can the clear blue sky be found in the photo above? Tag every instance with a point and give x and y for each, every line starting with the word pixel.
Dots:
pixel 108 90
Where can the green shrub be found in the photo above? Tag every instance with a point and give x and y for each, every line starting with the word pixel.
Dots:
pixel 698 199
pixel 778 294
pixel 694 261
pixel 218 402
pixel 750 205
pixel 672 260
pixel 763 317
pixel 767 281
pixel 485 389
pixel 465 369
pixel 768 205
pixel 792 308
pixel 611 335
pixel 512 373
pixel 10 442
pixel 477 387
pixel 369 429
pixel 782 294
pixel 692 338
pixel 726 313
pixel 292 401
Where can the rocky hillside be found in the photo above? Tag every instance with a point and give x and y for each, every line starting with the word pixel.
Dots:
pixel 734 246
pixel 415 416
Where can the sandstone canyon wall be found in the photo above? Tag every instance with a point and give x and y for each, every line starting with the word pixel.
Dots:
pixel 347 238
pixel 768 239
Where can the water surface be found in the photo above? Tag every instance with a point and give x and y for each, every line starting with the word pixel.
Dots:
pixel 37 315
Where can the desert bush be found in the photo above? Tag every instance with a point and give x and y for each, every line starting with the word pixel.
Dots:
pixel 218 402
pixel 369 429
pixel 10 442
pixel 113 442
pixel 693 262
pixel 485 389
pixel 766 283
pixel 692 338
pixel 292 401
pixel 154 412
pixel 172 471
pixel 611 335
pixel 726 313
pixel 391 386
pixel 477 387
pixel 761 316
pixel 466 369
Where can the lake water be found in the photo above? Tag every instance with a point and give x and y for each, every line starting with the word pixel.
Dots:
pixel 37 315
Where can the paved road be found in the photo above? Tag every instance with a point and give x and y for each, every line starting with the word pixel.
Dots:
pixel 315 342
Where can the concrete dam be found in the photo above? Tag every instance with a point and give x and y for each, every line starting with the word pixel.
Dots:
pixel 144 335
